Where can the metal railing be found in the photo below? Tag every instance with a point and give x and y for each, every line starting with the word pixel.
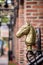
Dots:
pixel 35 57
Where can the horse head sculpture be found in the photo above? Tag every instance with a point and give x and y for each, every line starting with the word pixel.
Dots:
pixel 30 33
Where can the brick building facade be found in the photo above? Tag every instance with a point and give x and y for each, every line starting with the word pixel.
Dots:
pixel 32 11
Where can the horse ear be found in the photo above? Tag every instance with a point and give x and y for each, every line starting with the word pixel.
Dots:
pixel 27 23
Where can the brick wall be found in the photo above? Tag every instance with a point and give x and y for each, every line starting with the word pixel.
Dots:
pixel 33 13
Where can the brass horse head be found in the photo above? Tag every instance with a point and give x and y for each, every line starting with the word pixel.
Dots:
pixel 30 33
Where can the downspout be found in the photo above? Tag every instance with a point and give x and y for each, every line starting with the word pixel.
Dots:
pixel 39 40
pixel 16 8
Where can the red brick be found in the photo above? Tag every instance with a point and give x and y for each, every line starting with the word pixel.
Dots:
pixel 41 42
pixel 41 28
pixel 41 32
pixel 40 21
pixel 41 10
pixel 42 39
pixel 38 0
pixel 37 14
pixel 28 20
pixel 28 6
pixel 31 10
pixel 37 6
pixel 42 47
pixel 41 17
pixel 42 24
pixel 41 3
pixel 31 17
pixel 28 14
pixel 33 24
pixel 42 36
pixel 31 2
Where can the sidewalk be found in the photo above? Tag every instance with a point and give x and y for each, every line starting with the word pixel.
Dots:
pixel 4 60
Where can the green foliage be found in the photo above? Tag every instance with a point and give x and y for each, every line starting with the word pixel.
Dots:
pixel 2 1
pixel 4 19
